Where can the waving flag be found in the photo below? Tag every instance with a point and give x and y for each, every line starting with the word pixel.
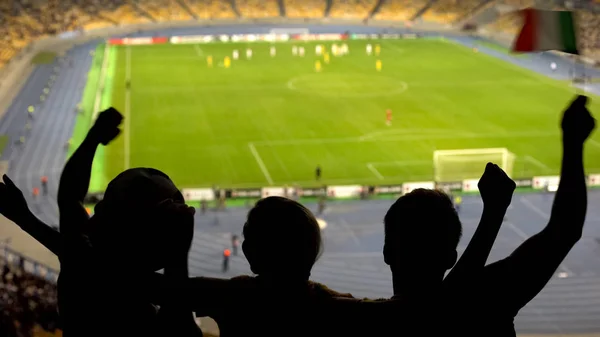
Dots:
pixel 547 30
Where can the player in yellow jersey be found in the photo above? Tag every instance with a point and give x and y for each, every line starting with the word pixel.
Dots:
pixel 318 66
pixel 326 58
pixel 227 62
pixel 378 65
pixel 209 61
pixel 457 203
pixel 377 50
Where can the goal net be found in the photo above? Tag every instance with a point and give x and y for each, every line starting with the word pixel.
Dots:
pixel 459 165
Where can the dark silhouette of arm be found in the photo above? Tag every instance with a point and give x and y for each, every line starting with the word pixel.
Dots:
pixel 14 207
pixel 478 250
pixel 496 189
pixel 74 184
pixel 529 268
pixel 175 315
pixel 75 178
pixel 42 233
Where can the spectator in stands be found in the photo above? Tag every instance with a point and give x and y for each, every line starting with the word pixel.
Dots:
pixel 282 241
pixel 128 225
pixel 26 301
pixel 495 296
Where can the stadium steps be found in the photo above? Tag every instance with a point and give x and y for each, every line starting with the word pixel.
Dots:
pixel 105 18
pixel 142 12
pixel 485 15
pixel 95 12
pixel 328 8
pixel 481 7
pixel 281 8
pixel 422 11
pixel 187 9
pixel 376 8
pixel 234 8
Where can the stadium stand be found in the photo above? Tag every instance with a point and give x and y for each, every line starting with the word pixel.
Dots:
pixel 305 8
pixel 589 33
pixel 210 9
pixel 355 9
pixel 258 8
pixel 508 23
pixel 519 3
pixel 126 14
pixel 448 11
pixel 28 302
pixel 165 10
pixel 399 9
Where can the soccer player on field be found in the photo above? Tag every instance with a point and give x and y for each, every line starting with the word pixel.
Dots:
pixel 294 50
pixel 377 50
pixel 326 58
pixel 369 49
pixel 388 117
pixel 301 51
pixel 227 62
pixel 209 61
pixel 319 50
pixel 378 65
pixel 273 51
pixel 236 54
pixel 318 66
pixel 345 50
pixel 248 53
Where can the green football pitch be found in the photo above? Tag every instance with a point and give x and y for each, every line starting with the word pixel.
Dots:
pixel 271 120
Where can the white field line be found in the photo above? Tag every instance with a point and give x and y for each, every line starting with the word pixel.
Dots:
pixel 260 163
pixel 102 79
pixel 198 50
pixel 537 163
pixel 359 139
pixel 127 122
pixel 594 143
pixel 403 163
pixel 534 208
pixel 375 171
pixel 348 229
pixel 285 86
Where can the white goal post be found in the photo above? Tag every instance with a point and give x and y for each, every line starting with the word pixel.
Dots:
pixel 459 165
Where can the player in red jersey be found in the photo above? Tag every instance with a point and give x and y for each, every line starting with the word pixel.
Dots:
pixel 388 117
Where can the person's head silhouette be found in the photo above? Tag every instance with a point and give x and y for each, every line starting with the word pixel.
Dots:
pixel 125 222
pixel 282 239
pixel 422 231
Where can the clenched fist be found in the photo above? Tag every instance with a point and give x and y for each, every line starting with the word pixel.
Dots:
pixel 106 127
pixel 577 122
pixel 496 187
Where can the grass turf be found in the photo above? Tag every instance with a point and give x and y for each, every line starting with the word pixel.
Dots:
pixel 272 120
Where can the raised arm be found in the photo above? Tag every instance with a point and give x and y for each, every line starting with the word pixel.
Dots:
pixel 530 266
pixel 496 190
pixel 75 178
pixel 175 315
pixel 14 207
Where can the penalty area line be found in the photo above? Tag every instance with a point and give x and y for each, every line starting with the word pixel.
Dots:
pixel 198 50
pixel 537 163
pixel 260 163
pixel 376 172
